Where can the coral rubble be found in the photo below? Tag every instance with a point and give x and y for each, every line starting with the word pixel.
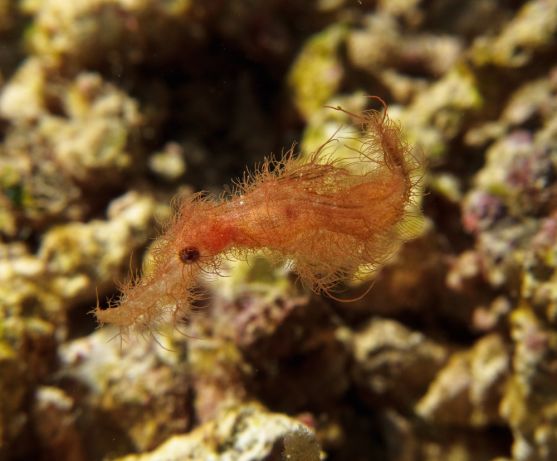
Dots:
pixel 108 108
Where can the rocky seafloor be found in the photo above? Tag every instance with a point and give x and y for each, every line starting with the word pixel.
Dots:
pixel 109 108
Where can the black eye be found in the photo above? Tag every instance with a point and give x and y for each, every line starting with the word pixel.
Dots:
pixel 189 255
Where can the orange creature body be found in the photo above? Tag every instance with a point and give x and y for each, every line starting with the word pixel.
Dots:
pixel 328 217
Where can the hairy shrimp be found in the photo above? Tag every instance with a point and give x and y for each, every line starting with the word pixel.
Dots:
pixel 328 217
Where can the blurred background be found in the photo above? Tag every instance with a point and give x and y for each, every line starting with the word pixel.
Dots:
pixel 109 108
